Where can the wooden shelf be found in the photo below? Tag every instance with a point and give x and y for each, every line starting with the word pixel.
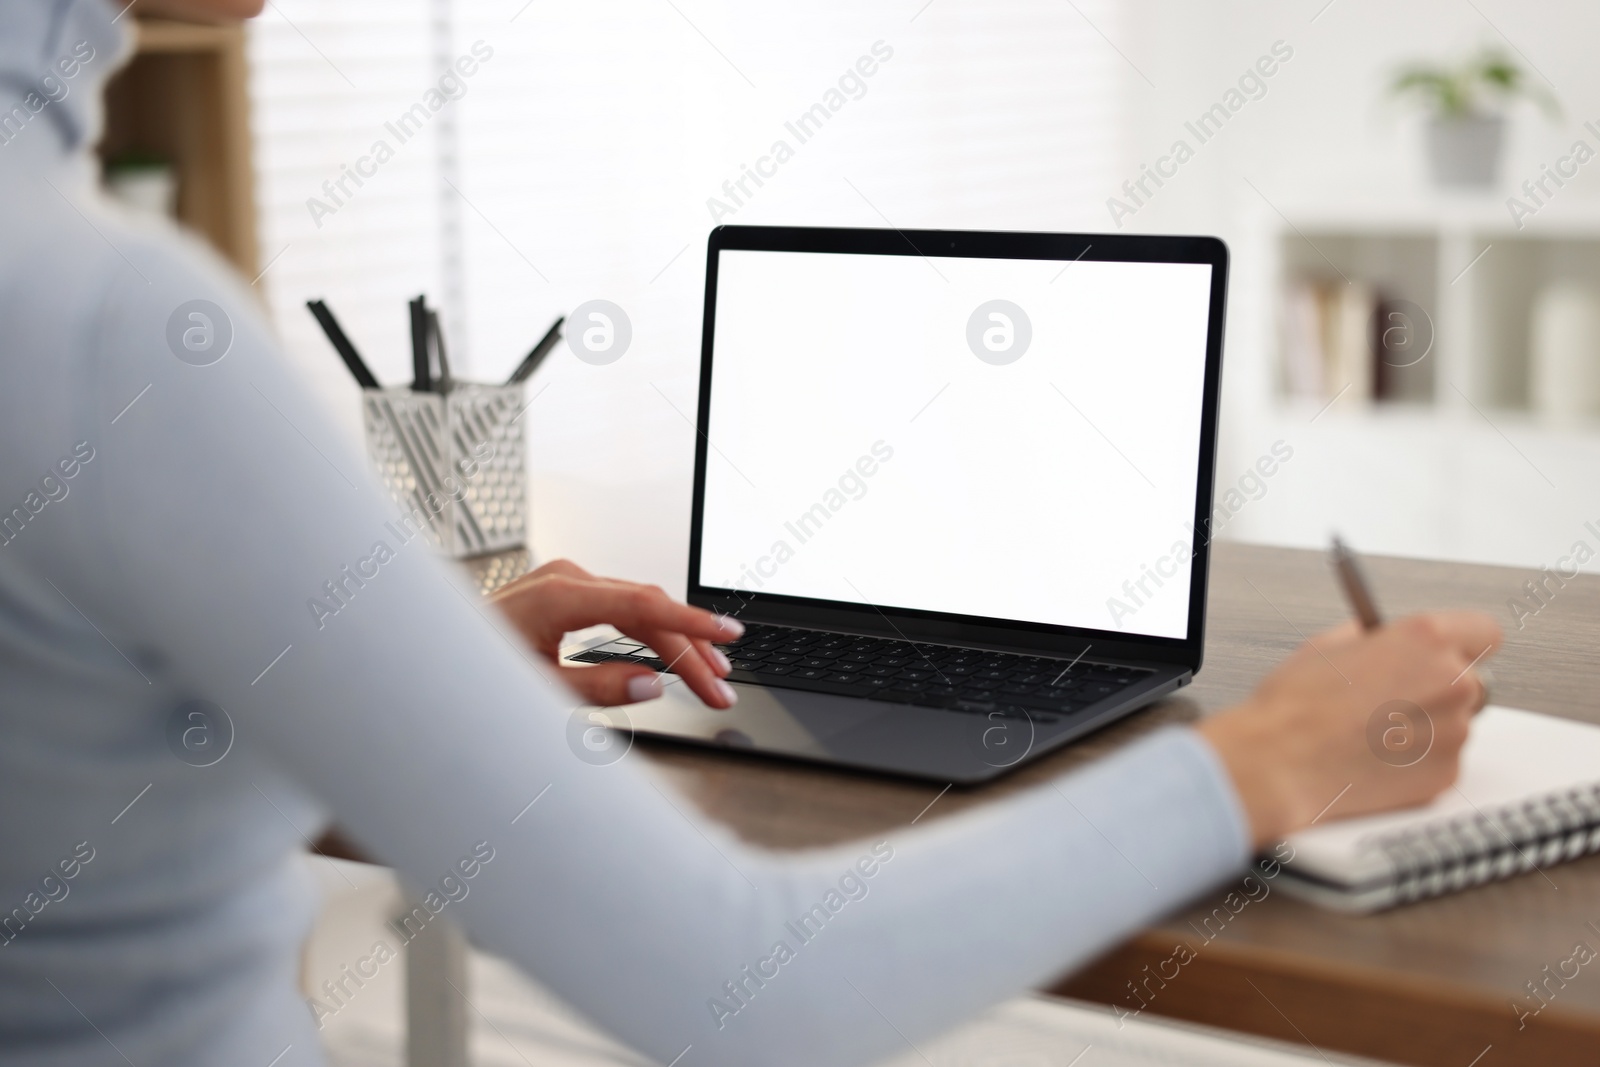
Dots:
pixel 1571 213
pixel 1459 464
pixel 184 97
pixel 162 36
pixel 1475 286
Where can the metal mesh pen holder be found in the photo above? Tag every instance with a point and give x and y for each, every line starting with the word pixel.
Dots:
pixel 455 463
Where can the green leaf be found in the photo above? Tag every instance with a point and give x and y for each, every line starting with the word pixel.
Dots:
pixel 1454 91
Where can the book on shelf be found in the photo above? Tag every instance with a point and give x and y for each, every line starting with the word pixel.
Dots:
pixel 1350 340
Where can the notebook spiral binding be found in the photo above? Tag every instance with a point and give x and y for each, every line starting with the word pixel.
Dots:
pixel 1487 846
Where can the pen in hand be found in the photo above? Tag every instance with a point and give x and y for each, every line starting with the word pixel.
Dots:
pixel 1359 593
pixel 1354 584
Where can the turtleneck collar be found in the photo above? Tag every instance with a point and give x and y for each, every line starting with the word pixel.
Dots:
pixel 55 59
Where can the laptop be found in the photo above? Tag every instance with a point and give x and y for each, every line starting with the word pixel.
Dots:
pixel 957 485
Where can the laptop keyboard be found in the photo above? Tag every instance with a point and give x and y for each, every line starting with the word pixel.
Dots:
pixel 903 672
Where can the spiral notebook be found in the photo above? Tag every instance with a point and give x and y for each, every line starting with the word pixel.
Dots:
pixel 1528 797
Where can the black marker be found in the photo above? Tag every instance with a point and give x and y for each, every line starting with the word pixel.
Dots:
pixel 531 361
pixel 421 369
pixel 342 345
pixel 441 380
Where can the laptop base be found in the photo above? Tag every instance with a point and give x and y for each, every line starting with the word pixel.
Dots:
pixel 917 742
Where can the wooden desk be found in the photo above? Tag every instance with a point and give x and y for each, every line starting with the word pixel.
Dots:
pixel 1430 984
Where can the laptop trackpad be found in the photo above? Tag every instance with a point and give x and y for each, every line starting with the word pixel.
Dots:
pixel 782 720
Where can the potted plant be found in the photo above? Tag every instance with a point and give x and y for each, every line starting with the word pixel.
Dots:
pixel 1466 129
pixel 145 182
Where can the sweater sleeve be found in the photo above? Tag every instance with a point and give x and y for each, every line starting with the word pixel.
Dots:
pixel 228 505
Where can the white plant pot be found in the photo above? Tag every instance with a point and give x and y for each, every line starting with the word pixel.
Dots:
pixel 1465 152
pixel 153 190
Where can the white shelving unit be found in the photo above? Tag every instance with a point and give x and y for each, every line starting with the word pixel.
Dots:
pixel 1460 467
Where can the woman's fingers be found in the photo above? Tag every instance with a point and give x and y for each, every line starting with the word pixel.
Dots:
pixel 1307 732
pixel 621 683
pixel 1347 632
pixel 560 566
pixel 561 597
pixel 714 656
pixel 689 663
pixel 1470 634
pixel 681 635
pixel 648 607
pixel 563 568
pixel 573 603
pixel 611 684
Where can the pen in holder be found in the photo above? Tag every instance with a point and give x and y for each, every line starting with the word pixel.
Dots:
pixel 451 453
pixel 454 462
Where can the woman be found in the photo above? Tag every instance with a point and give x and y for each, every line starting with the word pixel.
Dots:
pixel 165 516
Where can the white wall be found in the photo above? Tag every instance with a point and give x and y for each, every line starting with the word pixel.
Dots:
pixel 588 147
pixel 1326 127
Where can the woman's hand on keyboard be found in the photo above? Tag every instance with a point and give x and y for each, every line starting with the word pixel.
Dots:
pixel 561 597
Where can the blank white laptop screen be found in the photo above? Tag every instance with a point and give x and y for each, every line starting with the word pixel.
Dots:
pixel 876 439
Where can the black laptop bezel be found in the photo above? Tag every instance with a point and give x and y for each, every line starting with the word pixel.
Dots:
pixel 943 627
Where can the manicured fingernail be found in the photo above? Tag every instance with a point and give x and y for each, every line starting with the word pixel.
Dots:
pixel 720 661
pixel 727 693
pixel 644 687
pixel 731 626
